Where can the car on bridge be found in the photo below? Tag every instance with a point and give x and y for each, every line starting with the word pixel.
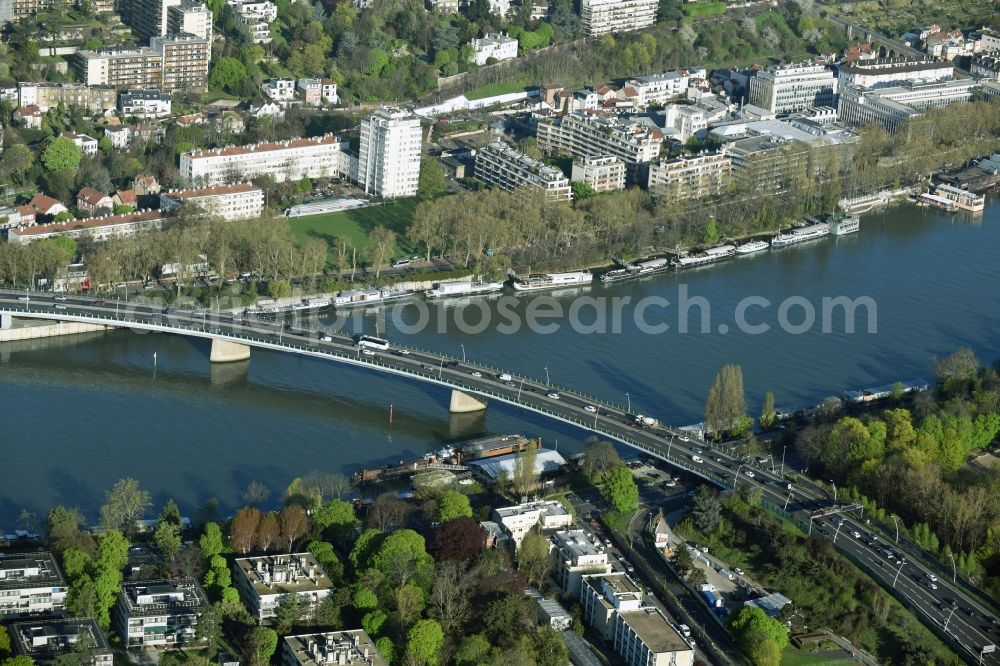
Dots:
pixel 554 396
pixel 591 409
pixel 476 373
pixel 697 459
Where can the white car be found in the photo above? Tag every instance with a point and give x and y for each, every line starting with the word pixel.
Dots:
pixel 856 534
pixel 931 585
pixel 739 572
pixel 476 373
pixel 591 409
pixel 749 473
pixel 697 459
pixel 367 352
pixel 554 396
pixel 932 578
pixel 23 299
pixel 404 352
pixel 685 439
pixel 60 298
pixel 60 306
pixel 326 338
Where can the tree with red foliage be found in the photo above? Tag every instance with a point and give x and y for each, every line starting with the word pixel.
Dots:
pixel 459 539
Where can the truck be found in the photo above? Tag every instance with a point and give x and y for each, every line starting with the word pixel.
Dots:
pixel 641 421
pixel 712 600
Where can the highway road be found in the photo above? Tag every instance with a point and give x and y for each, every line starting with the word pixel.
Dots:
pixel 947 608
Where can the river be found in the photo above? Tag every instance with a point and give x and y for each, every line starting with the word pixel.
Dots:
pixel 81 412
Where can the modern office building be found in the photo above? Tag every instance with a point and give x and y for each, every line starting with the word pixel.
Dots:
pixel 634 142
pixel 604 174
pixel 887 72
pixel 294 159
pixel 790 88
pixel 159 613
pixel 603 16
pixel 44 641
pixel 890 107
pixel 499 165
pixel 340 648
pixel 389 156
pixel 263 582
pixel 30 583
pixel 690 177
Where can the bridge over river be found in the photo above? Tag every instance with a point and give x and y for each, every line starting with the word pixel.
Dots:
pixel 966 624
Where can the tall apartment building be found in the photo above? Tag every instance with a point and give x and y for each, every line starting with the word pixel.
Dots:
pixel 603 174
pixel 344 648
pixel 239 201
pixel 170 62
pixel 159 613
pixel 263 582
pixel 389 157
pixel 885 72
pixel 603 16
pixel 499 165
pixel 789 88
pixel 766 163
pixel 30 583
pixel 295 159
pixel 692 177
pixel 146 18
pixel 185 61
pixel 93 99
pixel 44 641
pixel 194 18
pixel 580 135
pixel 573 556
pixel 890 107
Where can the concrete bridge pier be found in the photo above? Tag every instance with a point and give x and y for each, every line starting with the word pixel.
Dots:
pixel 6 321
pixel 224 351
pixel 463 403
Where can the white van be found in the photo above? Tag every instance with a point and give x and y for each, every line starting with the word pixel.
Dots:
pixel 504 377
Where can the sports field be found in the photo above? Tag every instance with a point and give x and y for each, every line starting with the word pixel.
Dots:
pixel 356 224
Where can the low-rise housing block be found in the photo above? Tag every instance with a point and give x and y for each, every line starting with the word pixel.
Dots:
pixel 263 582
pixel 159 613
pixel 498 47
pixel 603 174
pixel 499 165
pixel 344 648
pixel 520 519
pixel 575 555
pixel 44 641
pixel 30 583
pixel 294 159
pixel 239 201
pixel 693 177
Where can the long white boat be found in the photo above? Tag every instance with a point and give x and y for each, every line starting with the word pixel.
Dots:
pixel 800 235
pixel 709 256
pixel 464 288
pixel 540 281
pixel 641 269
pixel 752 247
pixel 304 304
pixel 845 225
pixel 372 296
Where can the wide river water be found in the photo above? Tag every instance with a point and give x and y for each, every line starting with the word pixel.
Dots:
pixel 81 412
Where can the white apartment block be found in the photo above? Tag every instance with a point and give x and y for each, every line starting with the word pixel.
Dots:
pixel 789 88
pixel 343 648
pixel 195 18
pixel 500 8
pixel 575 555
pixel 657 89
pixel 30 583
pixel 389 156
pixel 603 16
pixel 159 613
pixel 255 18
pixel 263 582
pixel 44 641
pixel 98 228
pixel 601 596
pixel 885 72
pixel 986 65
pixel 604 174
pixel 687 120
pixel 499 165
pixel 890 107
pixel 295 159
pixel 694 177
pixel 580 135
pixel 498 47
pixel 239 201
pixel 445 6
pixel 279 90
pixel 170 62
pixel 150 103
pixel 520 519
pixel 86 144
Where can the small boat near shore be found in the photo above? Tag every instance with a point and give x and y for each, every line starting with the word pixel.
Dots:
pixel 801 235
pixel 542 281
pixel 304 304
pixel 752 247
pixel 638 270
pixel 372 296
pixel 709 256
pixel 844 225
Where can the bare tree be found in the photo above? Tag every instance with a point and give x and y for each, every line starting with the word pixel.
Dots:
pixel 387 512
pixel 450 597
pixel 268 532
pixel 294 523
pixel 243 530
pixel 256 493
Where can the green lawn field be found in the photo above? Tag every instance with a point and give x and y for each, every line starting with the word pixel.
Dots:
pixel 356 224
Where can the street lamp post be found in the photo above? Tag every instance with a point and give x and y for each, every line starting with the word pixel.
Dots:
pixel 785 446
pixel 787 500
pixel 463 351
pixel 440 366
pixel 896 521
pixel 547 376
pixel 896 577
pixel 834 490
pixel 519 387
pixel 953 608
pixel 836 532
pixel 954 571
pixel 628 399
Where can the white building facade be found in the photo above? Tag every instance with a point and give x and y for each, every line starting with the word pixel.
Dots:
pixel 499 165
pixel 295 159
pixel 603 174
pixel 389 156
pixel 498 47
pixel 239 201
pixel 30 583
pixel 600 17
pixel 790 88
